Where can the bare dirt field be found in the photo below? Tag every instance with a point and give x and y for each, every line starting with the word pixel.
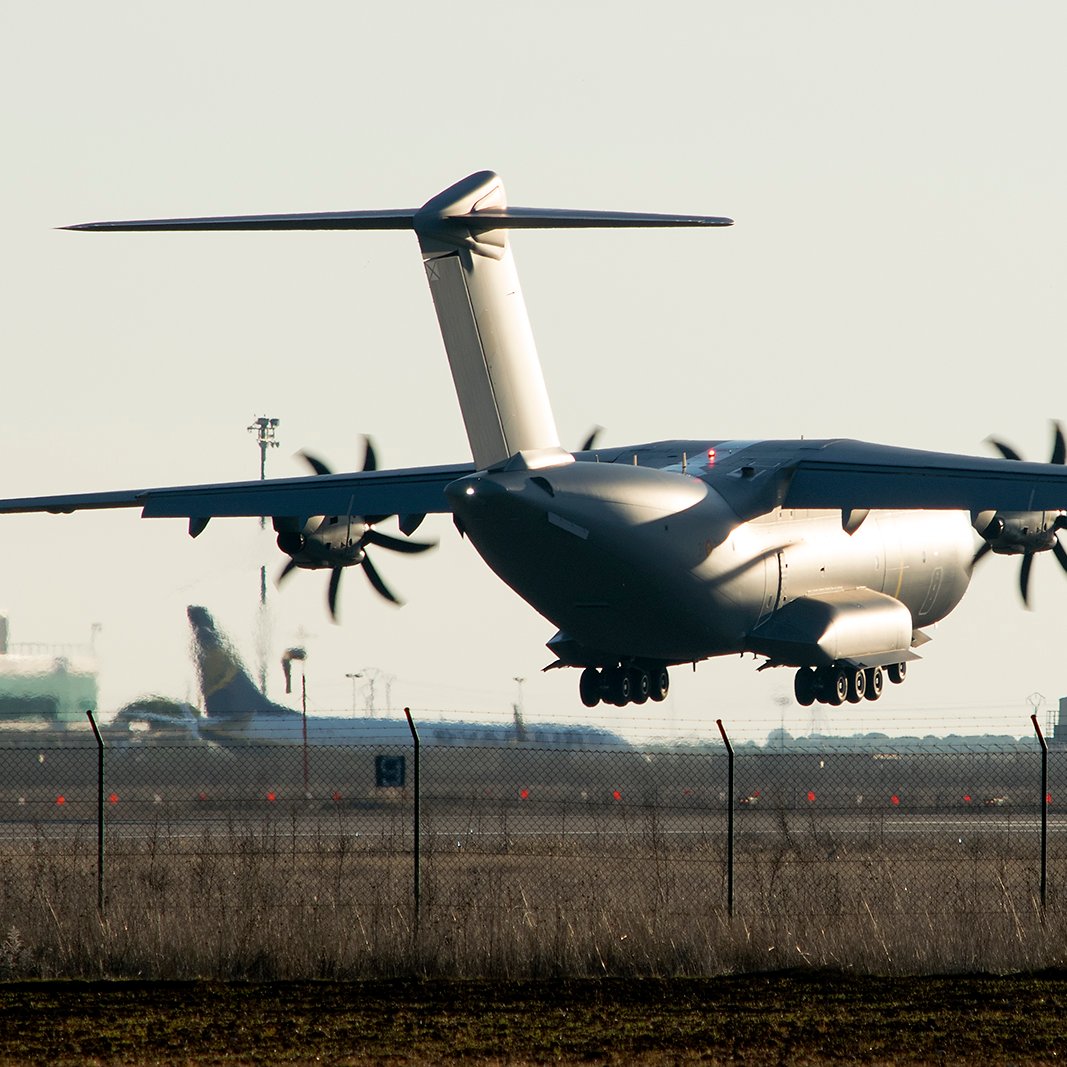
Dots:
pixel 785 1018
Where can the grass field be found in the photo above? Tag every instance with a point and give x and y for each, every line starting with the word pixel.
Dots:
pixel 267 904
pixel 785 1018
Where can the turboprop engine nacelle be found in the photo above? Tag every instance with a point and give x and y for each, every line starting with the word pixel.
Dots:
pixel 322 541
pixel 1018 532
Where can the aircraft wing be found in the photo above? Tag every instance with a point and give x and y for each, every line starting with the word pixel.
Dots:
pixel 853 474
pixel 414 491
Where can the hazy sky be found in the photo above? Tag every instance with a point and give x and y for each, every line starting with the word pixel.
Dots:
pixel 897 273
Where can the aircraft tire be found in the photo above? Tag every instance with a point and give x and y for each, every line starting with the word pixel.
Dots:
pixel 838 688
pixel 875 683
pixel 897 672
pixel 619 689
pixel 857 685
pixel 659 684
pixel 640 685
pixel 590 686
pixel 804 687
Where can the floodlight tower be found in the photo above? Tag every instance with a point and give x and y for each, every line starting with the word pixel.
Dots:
pixel 266 430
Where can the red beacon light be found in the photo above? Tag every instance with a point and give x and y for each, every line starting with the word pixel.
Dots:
pixel 711 457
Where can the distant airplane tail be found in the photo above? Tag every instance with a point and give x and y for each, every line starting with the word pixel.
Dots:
pixel 228 691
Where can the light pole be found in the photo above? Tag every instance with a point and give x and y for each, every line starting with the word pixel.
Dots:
pixel 265 430
pixel 353 676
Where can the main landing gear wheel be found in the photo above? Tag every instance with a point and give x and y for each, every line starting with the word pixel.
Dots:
pixel 619 686
pixel 896 672
pixel 589 687
pixel 875 683
pixel 804 687
pixel 831 685
pixel 857 685
pixel 659 682
pixel 640 685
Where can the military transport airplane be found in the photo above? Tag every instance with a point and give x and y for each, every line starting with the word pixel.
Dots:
pixel 826 556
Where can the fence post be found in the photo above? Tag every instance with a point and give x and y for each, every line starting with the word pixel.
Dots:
pixel 418 819
pixel 99 813
pixel 729 819
pixel 1044 808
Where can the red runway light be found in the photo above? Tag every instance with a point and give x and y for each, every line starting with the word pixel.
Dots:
pixel 524 794
pixel 272 796
pixel 811 797
pixel 114 798
pixel 966 798
pixel 61 799
pixel 616 795
pixel 895 800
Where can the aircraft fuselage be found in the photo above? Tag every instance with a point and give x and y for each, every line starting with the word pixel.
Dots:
pixel 654 565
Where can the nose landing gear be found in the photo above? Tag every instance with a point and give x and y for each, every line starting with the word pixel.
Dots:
pixel 623 684
pixel 836 684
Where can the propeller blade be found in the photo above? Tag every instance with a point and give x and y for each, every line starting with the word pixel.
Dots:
pixel 375 579
pixel 590 441
pixel 315 463
pixel 285 571
pixel 1059 445
pixel 370 459
pixel 1024 577
pixel 395 544
pixel 1060 553
pixel 1005 450
pixel 331 593
pixel 985 548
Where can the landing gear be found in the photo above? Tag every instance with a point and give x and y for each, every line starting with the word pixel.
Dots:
pixel 804 687
pixel 857 685
pixel 589 687
pixel 640 685
pixel 659 681
pixel 875 683
pixel 836 684
pixel 618 686
pixel 896 672
pixel 622 685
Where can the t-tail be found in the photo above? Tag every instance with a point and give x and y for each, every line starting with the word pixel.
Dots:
pixel 229 693
pixel 463 236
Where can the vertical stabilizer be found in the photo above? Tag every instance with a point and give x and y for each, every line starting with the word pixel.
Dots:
pixel 484 325
pixel 227 689
pixel 463 236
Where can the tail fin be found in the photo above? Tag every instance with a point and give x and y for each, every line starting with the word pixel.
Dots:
pixel 227 689
pixel 463 237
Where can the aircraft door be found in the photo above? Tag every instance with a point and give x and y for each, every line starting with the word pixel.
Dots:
pixel 773 572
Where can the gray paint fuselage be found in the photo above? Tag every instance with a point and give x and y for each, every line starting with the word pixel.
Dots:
pixel 654 564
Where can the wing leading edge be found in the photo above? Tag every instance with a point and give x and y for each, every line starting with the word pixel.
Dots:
pixel 416 490
pixel 853 474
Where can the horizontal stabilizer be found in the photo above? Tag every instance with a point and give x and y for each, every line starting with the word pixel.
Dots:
pixel 506 218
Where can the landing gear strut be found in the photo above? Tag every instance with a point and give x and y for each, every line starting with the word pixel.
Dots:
pixel 623 684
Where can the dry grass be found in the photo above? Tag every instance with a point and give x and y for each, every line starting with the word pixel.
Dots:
pixel 282 900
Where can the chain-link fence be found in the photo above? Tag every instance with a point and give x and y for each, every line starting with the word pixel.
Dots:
pixel 291 859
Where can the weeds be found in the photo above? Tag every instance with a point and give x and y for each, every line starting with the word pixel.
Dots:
pixel 281 902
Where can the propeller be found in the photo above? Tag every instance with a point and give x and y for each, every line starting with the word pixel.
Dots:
pixel 590 441
pixel 342 541
pixel 1026 533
